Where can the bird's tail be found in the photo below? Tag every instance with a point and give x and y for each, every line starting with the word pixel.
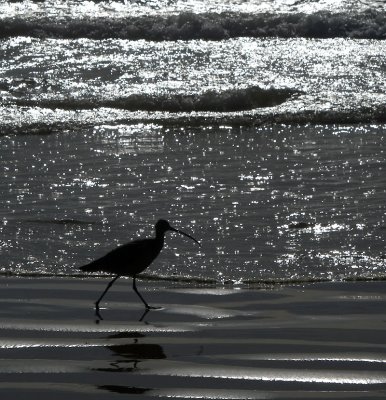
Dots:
pixel 91 267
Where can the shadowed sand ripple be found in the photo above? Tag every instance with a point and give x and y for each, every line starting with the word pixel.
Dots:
pixel 322 341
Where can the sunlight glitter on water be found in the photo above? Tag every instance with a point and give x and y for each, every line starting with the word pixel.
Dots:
pixel 76 9
pixel 118 80
pixel 130 139
pixel 304 221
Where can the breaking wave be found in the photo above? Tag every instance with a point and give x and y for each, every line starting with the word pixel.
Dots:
pixel 58 123
pixel 211 101
pixel 370 24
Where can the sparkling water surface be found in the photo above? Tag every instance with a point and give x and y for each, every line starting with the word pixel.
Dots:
pixel 63 84
pixel 276 202
pixel 101 135
pixel 119 9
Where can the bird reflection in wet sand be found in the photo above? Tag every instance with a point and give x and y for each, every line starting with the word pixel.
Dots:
pixel 132 258
pixel 129 355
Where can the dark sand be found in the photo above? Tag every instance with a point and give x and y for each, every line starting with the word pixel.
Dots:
pixel 318 341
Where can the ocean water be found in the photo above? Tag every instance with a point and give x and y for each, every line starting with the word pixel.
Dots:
pixel 257 127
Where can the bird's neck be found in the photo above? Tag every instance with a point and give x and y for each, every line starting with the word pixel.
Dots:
pixel 160 237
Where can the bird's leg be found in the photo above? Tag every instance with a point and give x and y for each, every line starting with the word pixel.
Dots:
pixel 139 295
pixel 144 314
pixel 98 315
pixel 107 288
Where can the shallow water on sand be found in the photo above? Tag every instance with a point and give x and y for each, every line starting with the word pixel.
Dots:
pixel 267 203
pixel 322 341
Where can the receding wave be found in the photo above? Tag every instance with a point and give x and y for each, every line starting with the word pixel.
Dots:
pixel 211 101
pixel 71 121
pixel 202 280
pixel 370 24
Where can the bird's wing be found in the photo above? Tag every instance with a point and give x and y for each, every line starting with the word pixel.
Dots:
pixel 128 259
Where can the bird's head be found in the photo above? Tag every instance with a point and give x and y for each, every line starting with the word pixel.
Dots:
pixel 162 226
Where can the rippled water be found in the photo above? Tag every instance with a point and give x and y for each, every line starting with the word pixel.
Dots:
pixel 53 85
pixel 268 203
pixel 76 8
pixel 258 127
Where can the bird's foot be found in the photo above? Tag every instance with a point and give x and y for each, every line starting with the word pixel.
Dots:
pixel 147 309
pixel 97 313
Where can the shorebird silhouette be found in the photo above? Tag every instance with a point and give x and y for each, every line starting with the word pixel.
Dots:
pixel 132 258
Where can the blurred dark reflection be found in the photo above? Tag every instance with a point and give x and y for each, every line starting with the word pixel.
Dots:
pixel 128 356
pixel 123 389
pixel 135 350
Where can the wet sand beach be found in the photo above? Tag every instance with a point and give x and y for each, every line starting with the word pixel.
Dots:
pixel 322 341
pixel 256 127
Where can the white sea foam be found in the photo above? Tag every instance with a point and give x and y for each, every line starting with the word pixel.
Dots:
pixel 366 24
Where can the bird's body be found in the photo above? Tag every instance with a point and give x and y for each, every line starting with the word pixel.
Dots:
pixel 129 259
pixel 132 258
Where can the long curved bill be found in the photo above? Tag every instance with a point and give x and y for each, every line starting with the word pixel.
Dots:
pixel 185 234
